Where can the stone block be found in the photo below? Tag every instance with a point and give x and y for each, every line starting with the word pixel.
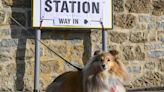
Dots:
pixel 161 18
pixel 151 36
pixel 7 2
pixel 27 34
pixel 17 3
pixel 77 50
pixel 155 54
pixel 139 55
pixel 149 66
pixel 126 21
pixel 161 65
pixel 138 6
pixel 24 54
pixel 141 26
pixel 153 46
pixel 146 18
pixel 118 5
pixel 1 68
pixel 128 53
pixel 50 66
pixel 134 69
pixel 6 54
pixel 138 37
pixel 15 33
pixel 2 17
pixel 152 26
pixel 118 37
pixel 20 17
pixel 160 36
pixel 9 43
pixel 161 26
pixel 59 49
pixel 158 7
pixel 5 33
pixel 5 58
pixel 11 69
pixel 149 79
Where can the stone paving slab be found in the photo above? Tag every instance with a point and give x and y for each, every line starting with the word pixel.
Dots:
pixel 147 91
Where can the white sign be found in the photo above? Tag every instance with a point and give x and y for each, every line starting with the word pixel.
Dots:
pixel 72 13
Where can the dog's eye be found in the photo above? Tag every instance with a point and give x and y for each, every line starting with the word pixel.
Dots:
pixel 108 60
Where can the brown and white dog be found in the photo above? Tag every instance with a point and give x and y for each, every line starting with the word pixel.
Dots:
pixel 102 73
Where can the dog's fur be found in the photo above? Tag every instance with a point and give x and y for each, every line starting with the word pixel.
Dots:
pixel 102 73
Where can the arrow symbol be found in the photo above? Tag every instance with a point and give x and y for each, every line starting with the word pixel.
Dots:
pixel 85 21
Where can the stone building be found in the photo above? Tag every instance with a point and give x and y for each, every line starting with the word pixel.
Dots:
pixel 138 35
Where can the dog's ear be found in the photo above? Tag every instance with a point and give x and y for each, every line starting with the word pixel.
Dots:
pixel 113 52
pixel 97 52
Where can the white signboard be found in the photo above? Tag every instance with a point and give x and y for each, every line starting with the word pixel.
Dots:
pixel 72 13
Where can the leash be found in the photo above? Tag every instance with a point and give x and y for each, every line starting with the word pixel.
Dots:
pixel 79 69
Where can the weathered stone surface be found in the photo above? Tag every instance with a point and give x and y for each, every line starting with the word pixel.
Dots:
pixel 139 55
pixel 26 34
pixel 128 53
pixel 7 2
pixel 11 69
pixel 138 6
pixel 52 66
pixel 126 21
pixel 118 37
pixel 138 37
pixel 5 33
pixel 151 36
pixel 154 46
pixel 160 26
pixel 156 54
pixel 74 50
pixel 134 69
pixel 146 19
pixel 158 7
pixel 24 54
pixel 160 35
pixel 16 33
pixel 17 3
pixel 6 55
pixel 141 26
pixel 5 58
pixel 149 65
pixel 20 17
pixel 152 26
pixel 2 17
pixel 161 65
pixel 75 38
pixel 62 50
pixel 118 5
pixel 1 68
pixel 133 53
pixel 161 18
pixel 150 79
pixel 9 43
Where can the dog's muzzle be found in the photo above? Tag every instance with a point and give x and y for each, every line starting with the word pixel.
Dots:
pixel 103 66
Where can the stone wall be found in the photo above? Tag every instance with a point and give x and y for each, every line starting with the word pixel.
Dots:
pixel 138 35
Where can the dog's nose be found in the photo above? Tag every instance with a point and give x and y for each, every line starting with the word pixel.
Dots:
pixel 103 66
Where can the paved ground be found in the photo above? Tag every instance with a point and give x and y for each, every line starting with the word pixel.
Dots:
pixel 151 89
pixel 147 91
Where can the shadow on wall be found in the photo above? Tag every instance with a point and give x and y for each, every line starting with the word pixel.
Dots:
pixel 21 11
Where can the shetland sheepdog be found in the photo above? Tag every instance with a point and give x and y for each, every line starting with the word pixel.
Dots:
pixel 102 73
